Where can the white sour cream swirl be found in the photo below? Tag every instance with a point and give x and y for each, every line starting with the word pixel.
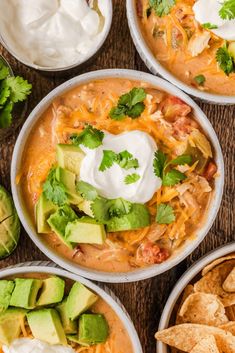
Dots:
pixel 26 345
pixel 110 183
pixel 207 11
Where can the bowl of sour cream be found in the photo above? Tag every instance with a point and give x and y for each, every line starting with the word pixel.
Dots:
pixel 55 35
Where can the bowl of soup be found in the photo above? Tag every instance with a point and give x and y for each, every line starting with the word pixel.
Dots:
pixel 117 175
pixel 201 304
pixel 189 43
pixel 47 309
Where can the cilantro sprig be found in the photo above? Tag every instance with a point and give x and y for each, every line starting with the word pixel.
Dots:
pixel 162 7
pixel 200 80
pixel 87 191
pixel 227 11
pixel 130 104
pixel 163 168
pixel 131 178
pixel 54 190
pixel 104 209
pixel 225 60
pixel 209 25
pixel 124 159
pixel 90 137
pixel 165 214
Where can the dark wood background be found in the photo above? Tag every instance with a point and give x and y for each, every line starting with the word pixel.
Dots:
pixel 144 300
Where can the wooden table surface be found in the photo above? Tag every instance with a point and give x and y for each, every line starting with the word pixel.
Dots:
pixel 144 300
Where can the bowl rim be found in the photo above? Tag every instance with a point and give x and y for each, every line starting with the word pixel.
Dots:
pixel 110 298
pixel 183 281
pixel 139 274
pixel 158 69
pixel 89 55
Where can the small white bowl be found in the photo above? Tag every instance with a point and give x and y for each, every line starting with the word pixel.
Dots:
pixel 138 274
pixel 158 69
pixel 106 294
pixel 186 279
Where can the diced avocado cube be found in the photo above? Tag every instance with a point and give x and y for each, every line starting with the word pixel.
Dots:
pixel 85 206
pixel 70 326
pixel 25 293
pixel 44 208
pixel 85 231
pixel 70 157
pixel 52 291
pixel 46 326
pixel 139 217
pixel 6 289
pixel 93 329
pixel 59 220
pixel 10 325
pixel 68 179
pixel 79 300
pixel 6 204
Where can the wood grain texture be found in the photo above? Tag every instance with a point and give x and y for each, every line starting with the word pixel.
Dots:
pixel 144 300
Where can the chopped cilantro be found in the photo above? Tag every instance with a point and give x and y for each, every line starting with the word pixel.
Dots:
pixel 159 163
pixel 165 214
pixel 225 60
pixel 109 157
pixel 181 160
pixel 131 178
pixel 54 190
pixel 119 207
pixel 87 191
pixel 124 159
pixel 162 7
pixel 209 25
pixel 173 177
pixel 227 11
pixel 19 88
pixel 89 137
pixel 200 80
pixel 104 209
pixel 5 115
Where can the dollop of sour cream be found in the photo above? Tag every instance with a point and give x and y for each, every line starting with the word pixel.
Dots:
pixel 27 345
pixel 110 183
pixel 207 11
pixel 52 33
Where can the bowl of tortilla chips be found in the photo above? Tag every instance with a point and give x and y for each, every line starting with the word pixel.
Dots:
pixel 199 316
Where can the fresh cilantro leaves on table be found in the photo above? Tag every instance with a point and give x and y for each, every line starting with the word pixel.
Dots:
pixel 89 137
pixel 165 214
pixel 200 80
pixel 227 11
pixel 4 71
pixel 54 190
pixel 19 88
pixel 162 168
pixel 225 60
pixel 162 7
pixel 131 178
pixel 104 209
pixel 87 191
pixel 124 159
pixel 129 104
pixel 209 25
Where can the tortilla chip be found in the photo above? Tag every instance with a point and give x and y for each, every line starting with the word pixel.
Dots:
pixel 230 327
pixel 217 262
pixel 189 289
pixel 213 281
pixel 229 283
pixel 230 312
pixel 186 336
pixel 204 309
pixel 207 345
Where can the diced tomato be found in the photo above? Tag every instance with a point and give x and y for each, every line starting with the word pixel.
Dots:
pixel 184 126
pixel 139 8
pixel 210 171
pixel 174 106
pixel 153 254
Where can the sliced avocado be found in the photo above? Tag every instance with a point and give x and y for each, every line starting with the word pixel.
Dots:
pixel 52 291
pixel 59 220
pixel 68 179
pixel 75 339
pixel 139 217
pixel 70 157
pixel 70 326
pixel 79 300
pixel 6 204
pixel 85 206
pixel 93 329
pixel 45 325
pixel 85 230
pixel 44 208
pixel 6 289
pixel 25 293
pixel 10 325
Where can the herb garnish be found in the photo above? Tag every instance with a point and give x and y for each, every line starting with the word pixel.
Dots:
pixel 87 191
pixel 124 159
pixel 165 214
pixel 225 60
pixel 162 7
pixel 209 25
pixel 104 209
pixel 89 137
pixel 227 11
pixel 131 178
pixel 54 190
pixel 200 80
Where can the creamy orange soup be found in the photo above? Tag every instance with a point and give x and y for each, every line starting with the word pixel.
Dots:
pixel 184 47
pixel 170 122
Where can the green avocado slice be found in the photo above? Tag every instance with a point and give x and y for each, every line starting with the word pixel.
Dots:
pixel 25 293
pixel 93 329
pixel 44 208
pixel 85 230
pixel 70 157
pixel 6 289
pixel 70 326
pixel 52 291
pixel 10 325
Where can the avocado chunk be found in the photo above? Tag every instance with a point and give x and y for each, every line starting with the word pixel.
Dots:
pixel 139 217
pixel 25 293
pixel 6 204
pixel 70 326
pixel 59 220
pixel 85 206
pixel 93 329
pixel 69 180
pixel 52 291
pixel 45 325
pixel 10 325
pixel 6 289
pixel 44 208
pixel 85 230
pixel 79 300
pixel 70 157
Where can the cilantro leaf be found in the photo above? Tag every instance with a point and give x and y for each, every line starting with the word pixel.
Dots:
pixel 227 11
pixel 119 207
pixel 4 93
pixel 109 157
pixel 100 209
pixel 5 115
pixel 200 80
pixel 209 25
pixel 136 95
pixel 131 178
pixel 87 191
pixel 225 60
pixel 159 163
pixel 181 160
pixel 173 177
pixel 118 113
pixel 162 7
pixel 125 160
pixel 19 88
pixel 4 71
pixel 136 110
pixel 89 137
pixel 54 190
pixel 165 214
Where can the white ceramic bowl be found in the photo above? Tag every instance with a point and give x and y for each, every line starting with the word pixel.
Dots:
pixel 105 294
pixel 157 68
pixel 187 277
pixel 92 53
pixel 138 274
